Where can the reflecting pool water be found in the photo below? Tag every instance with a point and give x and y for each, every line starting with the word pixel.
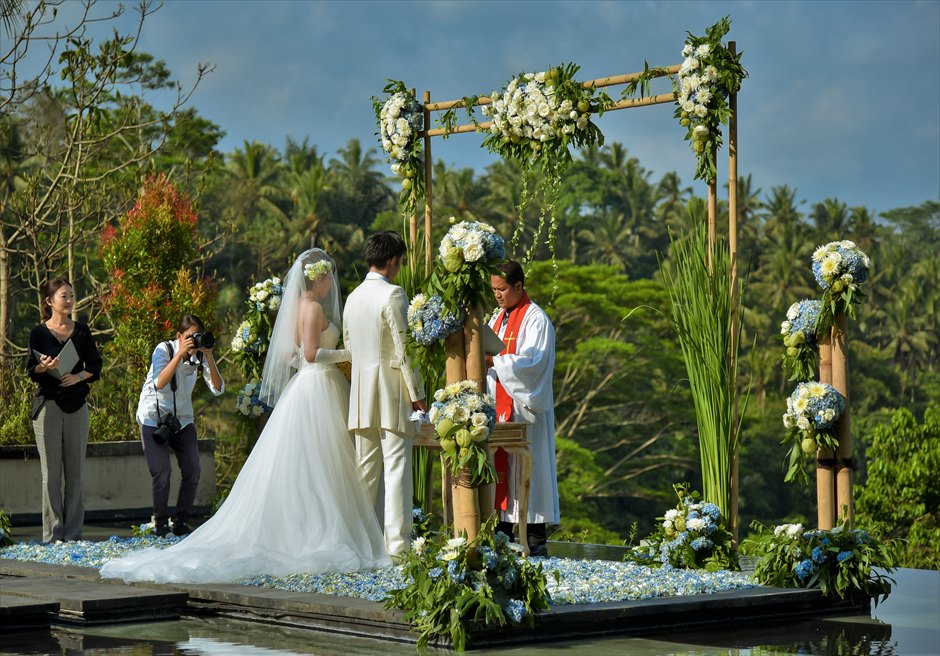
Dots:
pixel 907 624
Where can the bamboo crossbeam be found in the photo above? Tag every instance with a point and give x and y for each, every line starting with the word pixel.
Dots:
pixel 609 81
pixel 623 104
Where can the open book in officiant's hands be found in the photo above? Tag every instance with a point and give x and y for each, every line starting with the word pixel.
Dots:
pixel 68 358
pixel 492 344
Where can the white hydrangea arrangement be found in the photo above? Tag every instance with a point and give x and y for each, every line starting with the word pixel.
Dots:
pixel 463 419
pixel 400 120
pixel 799 339
pixel 470 242
pixel 813 410
pixel 840 269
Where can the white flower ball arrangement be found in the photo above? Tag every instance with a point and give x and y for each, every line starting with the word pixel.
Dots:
pixel 813 410
pixel 463 419
pixel 266 295
pixel 840 265
pixel 470 242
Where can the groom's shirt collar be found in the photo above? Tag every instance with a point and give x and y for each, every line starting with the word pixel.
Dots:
pixel 372 275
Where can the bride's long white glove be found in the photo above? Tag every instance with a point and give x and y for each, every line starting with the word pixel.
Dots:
pixel 332 356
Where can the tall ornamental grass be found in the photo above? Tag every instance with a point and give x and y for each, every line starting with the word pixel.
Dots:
pixel 702 317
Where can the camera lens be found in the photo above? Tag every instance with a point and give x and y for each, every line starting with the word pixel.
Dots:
pixel 204 340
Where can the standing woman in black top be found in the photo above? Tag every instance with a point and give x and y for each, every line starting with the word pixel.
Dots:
pixel 60 414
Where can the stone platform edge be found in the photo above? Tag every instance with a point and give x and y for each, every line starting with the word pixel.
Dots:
pixel 363 618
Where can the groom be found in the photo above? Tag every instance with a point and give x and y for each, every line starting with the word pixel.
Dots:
pixel 384 389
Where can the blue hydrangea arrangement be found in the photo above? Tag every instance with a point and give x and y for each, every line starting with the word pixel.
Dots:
pixel 429 322
pixel 452 582
pixel 840 269
pixel 799 337
pixel 693 535
pixel 813 411
pixel 839 562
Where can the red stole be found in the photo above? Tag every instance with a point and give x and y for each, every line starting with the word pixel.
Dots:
pixel 503 400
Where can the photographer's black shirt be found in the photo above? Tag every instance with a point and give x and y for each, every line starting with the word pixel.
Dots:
pixel 70 398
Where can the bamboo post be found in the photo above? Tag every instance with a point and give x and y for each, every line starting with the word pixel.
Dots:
pixel 733 252
pixel 712 217
pixel 844 507
pixel 473 342
pixel 427 184
pixel 825 479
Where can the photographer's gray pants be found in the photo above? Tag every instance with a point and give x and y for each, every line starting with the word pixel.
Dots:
pixel 158 461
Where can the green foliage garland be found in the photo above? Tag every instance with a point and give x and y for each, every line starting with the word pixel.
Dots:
pixel 536 119
pixel 453 584
pixel 6 529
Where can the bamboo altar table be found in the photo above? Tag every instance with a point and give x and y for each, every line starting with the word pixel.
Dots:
pixel 510 436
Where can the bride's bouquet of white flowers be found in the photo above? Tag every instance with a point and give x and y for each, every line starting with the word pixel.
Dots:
pixel 813 410
pixel 248 403
pixel 463 419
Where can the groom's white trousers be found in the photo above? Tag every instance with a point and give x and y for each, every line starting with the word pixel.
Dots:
pixel 382 451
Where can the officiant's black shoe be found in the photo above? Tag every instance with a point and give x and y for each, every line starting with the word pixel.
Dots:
pixel 538 551
pixel 161 530
pixel 181 528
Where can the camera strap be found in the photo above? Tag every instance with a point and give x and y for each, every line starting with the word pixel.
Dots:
pixel 169 346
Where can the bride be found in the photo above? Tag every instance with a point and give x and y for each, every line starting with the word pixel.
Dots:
pixel 299 503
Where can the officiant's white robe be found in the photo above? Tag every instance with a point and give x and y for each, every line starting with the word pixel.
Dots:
pixel 527 377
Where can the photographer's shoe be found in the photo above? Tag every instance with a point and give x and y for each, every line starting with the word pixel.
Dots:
pixel 161 530
pixel 182 528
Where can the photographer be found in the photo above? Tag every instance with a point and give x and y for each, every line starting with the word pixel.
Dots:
pixel 165 415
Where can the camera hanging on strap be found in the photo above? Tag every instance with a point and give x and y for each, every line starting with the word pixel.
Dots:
pixel 168 425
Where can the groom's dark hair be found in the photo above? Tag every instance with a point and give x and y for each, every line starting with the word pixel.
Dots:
pixel 383 246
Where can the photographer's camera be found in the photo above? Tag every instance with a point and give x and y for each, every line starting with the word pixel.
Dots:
pixel 167 428
pixel 203 340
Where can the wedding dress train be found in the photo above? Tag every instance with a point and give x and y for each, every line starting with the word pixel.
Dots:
pixel 298 506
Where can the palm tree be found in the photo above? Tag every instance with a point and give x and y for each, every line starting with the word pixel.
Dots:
pixel 608 240
pixel 360 191
pixel 830 220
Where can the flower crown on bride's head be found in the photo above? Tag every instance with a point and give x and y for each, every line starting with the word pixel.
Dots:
pixel 317 269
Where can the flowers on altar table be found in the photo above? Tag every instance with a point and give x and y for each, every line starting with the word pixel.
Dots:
pixel 249 403
pixel 838 562
pixel 799 338
pixel 429 322
pixel 840 268
pixel 693 535
pixel 450 581
pixel 401 121
pixel 463 419
pixel 266 295
pixel 813 410
pixel 709 74
pixel 470 242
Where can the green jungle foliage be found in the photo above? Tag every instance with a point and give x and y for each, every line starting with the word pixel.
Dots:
pixel 624 414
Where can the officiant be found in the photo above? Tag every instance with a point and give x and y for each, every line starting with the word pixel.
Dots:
pixel 520 379
pixel 63 361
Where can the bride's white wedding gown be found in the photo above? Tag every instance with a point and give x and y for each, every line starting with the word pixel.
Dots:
pixel 298 505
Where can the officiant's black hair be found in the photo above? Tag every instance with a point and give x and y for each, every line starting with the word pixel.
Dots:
pixel 52 286
pixel 383 246
pixel 512 272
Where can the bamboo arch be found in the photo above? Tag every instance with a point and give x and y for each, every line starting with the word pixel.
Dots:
pixel 465 360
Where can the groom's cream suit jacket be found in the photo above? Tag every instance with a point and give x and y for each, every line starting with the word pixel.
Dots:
pixel 383 383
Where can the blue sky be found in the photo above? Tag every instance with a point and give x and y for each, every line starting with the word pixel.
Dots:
pixel 843 98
